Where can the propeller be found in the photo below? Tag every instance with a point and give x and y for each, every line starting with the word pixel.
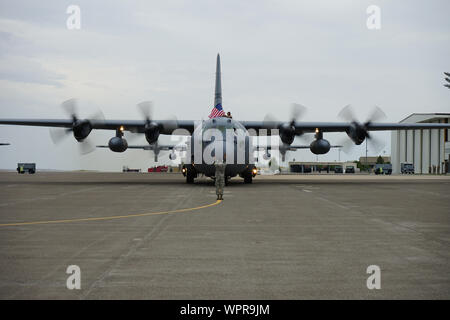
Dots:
pixel 80 128
pixel 297 111
pixel 447 79
pixel 358 131
pixel 146 109
pixel 151 128
pixel 171 123
pixel 287 129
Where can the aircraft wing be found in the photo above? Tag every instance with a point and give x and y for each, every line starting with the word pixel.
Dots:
pixel 292 147
pixel 305 127
pixel 4 144
pixel 137 126
pixel 166 126
pixel 295 147
pixel 159 146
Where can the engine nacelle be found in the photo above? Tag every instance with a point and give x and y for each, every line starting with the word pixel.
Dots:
pixel 287 133
pixel 172 156
pixel 81 129
pixel 151 132
pixel 118 144
pixel 320 146
pixel 357 133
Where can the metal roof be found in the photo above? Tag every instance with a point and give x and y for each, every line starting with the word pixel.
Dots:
pixel 425 117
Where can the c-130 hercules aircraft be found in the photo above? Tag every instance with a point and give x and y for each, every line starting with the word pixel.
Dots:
pixel 221 137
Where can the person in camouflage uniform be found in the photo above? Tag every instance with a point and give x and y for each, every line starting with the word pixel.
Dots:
pixel 220 177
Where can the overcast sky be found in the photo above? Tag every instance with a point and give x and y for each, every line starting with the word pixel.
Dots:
pixel 317 53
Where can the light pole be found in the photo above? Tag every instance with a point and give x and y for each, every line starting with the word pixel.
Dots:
pixel 367 166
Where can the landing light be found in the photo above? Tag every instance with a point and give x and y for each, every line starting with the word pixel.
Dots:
pixel 317 130
pixel 121 128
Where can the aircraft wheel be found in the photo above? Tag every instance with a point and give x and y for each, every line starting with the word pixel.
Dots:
pixel 190 175
pixel 248 178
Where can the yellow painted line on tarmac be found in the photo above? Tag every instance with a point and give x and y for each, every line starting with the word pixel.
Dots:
pixel 111 217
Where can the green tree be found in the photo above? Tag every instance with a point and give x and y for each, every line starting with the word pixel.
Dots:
pixel 380 160
pixel 361 166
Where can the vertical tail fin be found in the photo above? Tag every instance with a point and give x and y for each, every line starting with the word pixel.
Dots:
pixel 218 91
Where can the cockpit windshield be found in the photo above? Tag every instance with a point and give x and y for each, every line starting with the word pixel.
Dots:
pixel 223 124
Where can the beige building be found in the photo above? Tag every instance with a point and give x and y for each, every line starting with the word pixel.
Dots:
pixel 312 167
pixel 371 161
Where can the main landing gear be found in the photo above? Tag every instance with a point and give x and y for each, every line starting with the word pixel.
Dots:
pixel 190 174
pixel 249 174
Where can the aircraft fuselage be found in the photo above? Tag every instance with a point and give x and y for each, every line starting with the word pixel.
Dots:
pixel 216 139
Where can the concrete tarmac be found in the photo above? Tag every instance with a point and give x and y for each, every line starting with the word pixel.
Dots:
pixel 282 237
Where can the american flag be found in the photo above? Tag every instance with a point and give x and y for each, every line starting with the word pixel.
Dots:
pixel 217 111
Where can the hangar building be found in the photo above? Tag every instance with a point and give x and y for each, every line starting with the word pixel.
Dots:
pixel 427 149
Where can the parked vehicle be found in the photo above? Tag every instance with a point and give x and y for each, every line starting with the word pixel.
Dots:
pixel 26 167
pixel 385 168
pixel 126 169
pixel 158 169
pixel 407 168
pixel 350 169
pixel 338 169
